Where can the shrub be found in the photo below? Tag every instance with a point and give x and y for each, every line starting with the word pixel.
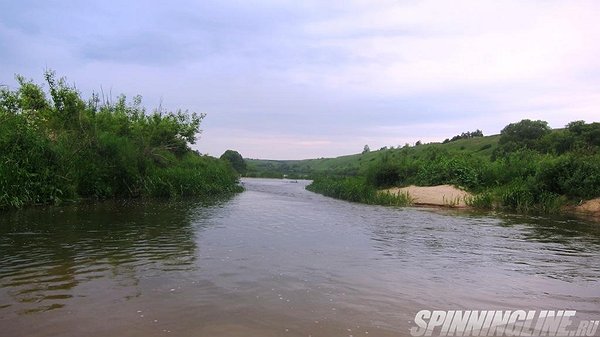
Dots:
pixel 58 147
pixel 571 175
pixel 384 174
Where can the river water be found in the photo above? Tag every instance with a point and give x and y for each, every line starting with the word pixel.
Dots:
pixel 277 260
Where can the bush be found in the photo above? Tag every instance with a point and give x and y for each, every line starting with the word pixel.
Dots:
pixel 571 175
pixel 62 148
pixel 384 174
pixel 524 133
pixel 454 170
pixel 236 160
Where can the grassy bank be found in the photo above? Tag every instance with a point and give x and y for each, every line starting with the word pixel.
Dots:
pixel 56 147
pixel 356 189
pixel 527 168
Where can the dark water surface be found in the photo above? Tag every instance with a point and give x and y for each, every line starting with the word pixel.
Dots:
pixel 277 260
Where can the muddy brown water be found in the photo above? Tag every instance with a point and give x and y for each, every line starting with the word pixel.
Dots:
pixel 277 260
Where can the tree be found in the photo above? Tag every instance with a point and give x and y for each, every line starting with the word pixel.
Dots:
pixel 366 149
pixel 585 134
pixel 523 135
pixel 525 131
pixel 477 133
pixel 236 160
pixel 465 135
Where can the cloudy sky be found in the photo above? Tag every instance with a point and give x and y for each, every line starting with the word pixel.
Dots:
pixel 303 79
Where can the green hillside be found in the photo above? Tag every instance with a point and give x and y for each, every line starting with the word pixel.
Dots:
pixel 354 164
pixel 528 167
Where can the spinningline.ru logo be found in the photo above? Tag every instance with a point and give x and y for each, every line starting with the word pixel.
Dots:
pixel 512 323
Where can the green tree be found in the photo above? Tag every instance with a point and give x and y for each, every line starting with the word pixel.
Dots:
pixel 236 160
pixel 586 135
pixel 525 132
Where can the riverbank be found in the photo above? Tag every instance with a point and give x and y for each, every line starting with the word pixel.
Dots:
pixel 357 189
pixel 528 168
pixel 57 147
pixel 454 197
pixel 589 209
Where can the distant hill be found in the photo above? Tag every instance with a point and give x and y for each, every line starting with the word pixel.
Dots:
pixel 528 167
pixel 353 164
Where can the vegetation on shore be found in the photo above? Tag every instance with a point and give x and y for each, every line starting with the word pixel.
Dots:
pixel 236 160
pixel 356 189
pixel 55 147
pixel 527 168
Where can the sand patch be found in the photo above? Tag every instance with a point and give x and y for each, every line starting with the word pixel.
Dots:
pixel 441 195
pixel 590 206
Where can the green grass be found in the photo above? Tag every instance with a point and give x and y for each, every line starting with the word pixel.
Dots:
pixel 541 176
pixel 56 147
pixel 355 164
pixel 356 189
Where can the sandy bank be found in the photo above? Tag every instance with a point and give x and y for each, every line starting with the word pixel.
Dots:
pixel 589 208
pixel 441 195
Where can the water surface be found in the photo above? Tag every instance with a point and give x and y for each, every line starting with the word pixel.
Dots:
pixel 277 260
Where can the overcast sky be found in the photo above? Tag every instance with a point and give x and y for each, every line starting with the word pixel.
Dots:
pixel 304 79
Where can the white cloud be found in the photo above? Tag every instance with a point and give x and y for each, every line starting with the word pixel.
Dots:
pixel 406 49
pixel 309 79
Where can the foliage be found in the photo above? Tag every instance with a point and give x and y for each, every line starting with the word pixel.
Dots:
pixel 264 174
pixel 384 173
pixel 483 200
pixel 522 135
pixel 465 135
pixel 236 160
pixel 529 169
pixel 571 175
pixel 56 147
pixel 356 189
pixel 366 149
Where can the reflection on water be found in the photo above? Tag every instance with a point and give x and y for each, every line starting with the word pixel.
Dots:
pixel 554 248
pixel 47 253
pixel 278 260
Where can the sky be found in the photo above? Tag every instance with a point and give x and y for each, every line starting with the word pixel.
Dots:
pixel 309 79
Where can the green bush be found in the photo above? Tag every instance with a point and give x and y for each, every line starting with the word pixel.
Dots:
pixel 455 170
pixel 58 147
pixel 572 175
pixel 384 174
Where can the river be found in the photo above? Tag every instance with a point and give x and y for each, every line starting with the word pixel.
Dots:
pixel 277 260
